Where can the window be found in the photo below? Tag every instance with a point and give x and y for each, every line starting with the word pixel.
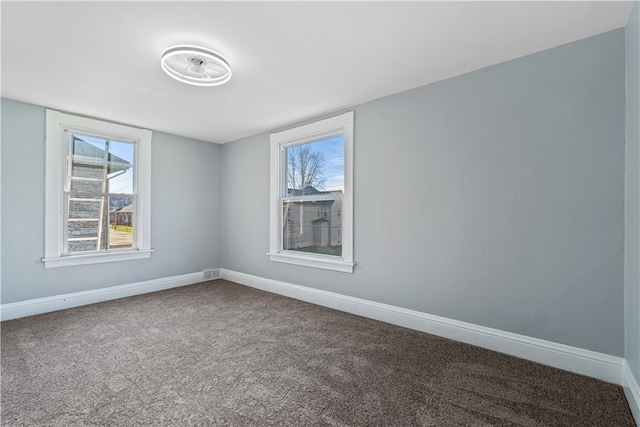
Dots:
pixel 311 195
pixel 97 191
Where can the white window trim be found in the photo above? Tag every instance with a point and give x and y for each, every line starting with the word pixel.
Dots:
pixel 342 124
pixel 56 122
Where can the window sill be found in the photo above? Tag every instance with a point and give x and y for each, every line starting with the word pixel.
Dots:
pixel 96 258
pixel 315 262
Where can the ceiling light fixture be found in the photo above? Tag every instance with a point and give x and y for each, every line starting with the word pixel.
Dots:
pixel 196 65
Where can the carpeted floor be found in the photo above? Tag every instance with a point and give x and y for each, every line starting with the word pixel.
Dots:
pixel 218 353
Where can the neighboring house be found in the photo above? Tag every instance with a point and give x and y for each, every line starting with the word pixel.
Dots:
pixel 313 223
pixel 122 216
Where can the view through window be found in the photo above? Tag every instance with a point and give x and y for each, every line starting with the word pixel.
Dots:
pixel 99 193
pixel 312 205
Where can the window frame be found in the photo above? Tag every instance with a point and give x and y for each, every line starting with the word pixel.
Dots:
pixel 57 124
pixel 322 129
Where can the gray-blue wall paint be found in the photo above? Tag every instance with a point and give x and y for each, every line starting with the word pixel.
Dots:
pixel 632 194
pixel 496 197
pixel 185 228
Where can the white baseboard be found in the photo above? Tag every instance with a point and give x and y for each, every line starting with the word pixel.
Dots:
pixel 60 302
pixel 590 363
pixel 631 390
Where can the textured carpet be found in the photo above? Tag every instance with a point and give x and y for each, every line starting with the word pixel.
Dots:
pixel 219 353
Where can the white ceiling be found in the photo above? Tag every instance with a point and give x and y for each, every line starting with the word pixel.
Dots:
pixel 291 60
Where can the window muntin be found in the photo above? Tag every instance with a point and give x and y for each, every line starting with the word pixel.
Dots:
pixel 311 215
pixel 97 191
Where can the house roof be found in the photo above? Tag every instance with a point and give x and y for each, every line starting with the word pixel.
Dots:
pixel 308 191
pixel 311 191
pixel 90 155
pixel 128 208
pixel 125 209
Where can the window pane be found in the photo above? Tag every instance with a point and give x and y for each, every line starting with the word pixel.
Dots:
pixel 315 167
pixel 97 165
pixel 84 227
pixel 121 222
pixel 99 223
pixel 313 226
pixel 120 177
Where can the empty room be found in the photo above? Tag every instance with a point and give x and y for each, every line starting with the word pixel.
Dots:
pixel 275 213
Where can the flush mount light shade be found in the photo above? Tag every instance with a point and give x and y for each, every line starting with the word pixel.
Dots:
pixel 196 65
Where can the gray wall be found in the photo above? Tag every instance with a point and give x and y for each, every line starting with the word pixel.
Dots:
pixel 632 214
pixel 185 228
pixel 495 197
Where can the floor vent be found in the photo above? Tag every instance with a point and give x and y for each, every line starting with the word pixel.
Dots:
pixel 210 274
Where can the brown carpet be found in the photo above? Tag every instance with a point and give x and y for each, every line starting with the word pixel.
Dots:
pixel 218 353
